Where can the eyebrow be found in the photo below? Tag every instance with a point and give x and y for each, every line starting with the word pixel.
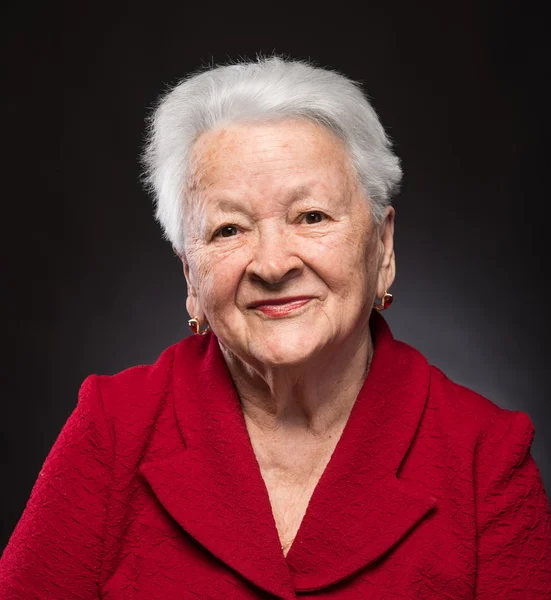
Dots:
pixel 300 193
pixel 229 205
pixel 295 195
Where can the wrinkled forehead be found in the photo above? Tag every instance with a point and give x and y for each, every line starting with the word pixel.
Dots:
pixel 268 155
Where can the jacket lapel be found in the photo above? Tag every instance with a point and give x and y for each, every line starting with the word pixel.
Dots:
pixel 359 510
pixel 214 488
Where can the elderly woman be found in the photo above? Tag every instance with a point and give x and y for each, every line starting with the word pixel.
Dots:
pixel 291 447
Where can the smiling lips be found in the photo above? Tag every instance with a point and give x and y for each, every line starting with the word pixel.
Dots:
pixel 280 307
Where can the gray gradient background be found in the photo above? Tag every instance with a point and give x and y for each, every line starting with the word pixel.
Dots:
pixel 92 288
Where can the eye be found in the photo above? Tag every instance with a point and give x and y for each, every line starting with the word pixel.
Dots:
pixel 314 216
pixel 226 231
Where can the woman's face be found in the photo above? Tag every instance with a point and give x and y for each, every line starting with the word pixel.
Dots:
pixel 282 256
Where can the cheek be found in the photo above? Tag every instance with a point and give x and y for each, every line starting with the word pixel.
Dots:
pixel 346 262
pixel 218 279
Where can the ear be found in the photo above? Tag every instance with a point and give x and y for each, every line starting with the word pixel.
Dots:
pixel 387 260
pixel 193 304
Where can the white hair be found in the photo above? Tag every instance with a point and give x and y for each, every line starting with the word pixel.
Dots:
pixel 265 89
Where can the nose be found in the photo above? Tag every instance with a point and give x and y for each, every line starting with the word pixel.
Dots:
pixel 274 257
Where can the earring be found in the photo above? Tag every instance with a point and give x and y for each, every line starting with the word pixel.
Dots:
pixel 195 327
pixel 386 301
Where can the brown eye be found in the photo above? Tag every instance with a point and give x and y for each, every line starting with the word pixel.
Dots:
pixel 313 217
pixel 226 231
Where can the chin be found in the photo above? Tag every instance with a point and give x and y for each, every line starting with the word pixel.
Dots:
pixel 284 351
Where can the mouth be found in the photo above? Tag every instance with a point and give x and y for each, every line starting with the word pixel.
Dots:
pixel 280 307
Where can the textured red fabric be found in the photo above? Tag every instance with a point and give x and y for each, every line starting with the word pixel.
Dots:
pixel 152 491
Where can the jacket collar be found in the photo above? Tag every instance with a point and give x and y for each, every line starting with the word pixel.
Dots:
pixel 360 509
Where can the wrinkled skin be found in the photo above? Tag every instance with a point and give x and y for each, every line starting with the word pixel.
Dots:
pixel 274 210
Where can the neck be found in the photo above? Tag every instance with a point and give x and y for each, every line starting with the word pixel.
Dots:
pixel 314 398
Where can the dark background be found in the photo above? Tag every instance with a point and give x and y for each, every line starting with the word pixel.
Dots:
pixel 92 287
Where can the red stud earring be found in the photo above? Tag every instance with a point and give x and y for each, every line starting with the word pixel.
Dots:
pixel 195 327
pixel 386 301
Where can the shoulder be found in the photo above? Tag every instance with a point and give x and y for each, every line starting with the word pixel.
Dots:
pixel 137 394
pixel 466 413
pixel 134 409
pixel 458 412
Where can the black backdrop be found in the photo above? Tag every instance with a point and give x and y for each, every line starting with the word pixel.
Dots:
pixel 91 286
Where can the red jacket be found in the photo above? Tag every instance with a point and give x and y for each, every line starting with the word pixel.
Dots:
pixel 152 491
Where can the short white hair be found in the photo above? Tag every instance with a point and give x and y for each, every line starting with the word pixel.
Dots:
pixel 263 90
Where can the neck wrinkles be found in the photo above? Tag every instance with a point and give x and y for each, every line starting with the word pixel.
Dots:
pixel 315 398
